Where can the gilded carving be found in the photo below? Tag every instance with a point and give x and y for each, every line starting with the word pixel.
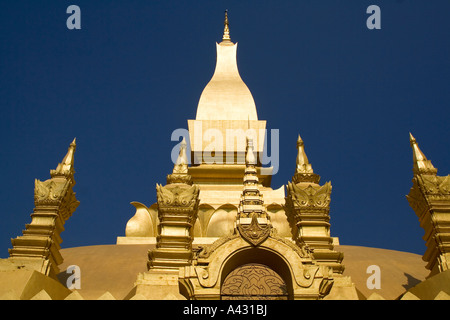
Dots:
pixel 177 212
pixel 310 196
pixel 308 274
pixel 325 286
pixel 177 196
pixel 252 221
pixel 55 202
pixel 179 178
pixel 434 185
pixel 303 251
pixel 416 199
pixel 180 169
pixel 307 208
pixel 254 281
pixel 49 192
pixel 429 197
pixel 255 233
pixel 68 204
pixel 203 252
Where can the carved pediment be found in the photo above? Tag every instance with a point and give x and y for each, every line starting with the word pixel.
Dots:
pixel 49 192
pixel 310 196
pixel 433 185
pixel 179 178
pixel 416 199
pixel 182 196
pixel 254 233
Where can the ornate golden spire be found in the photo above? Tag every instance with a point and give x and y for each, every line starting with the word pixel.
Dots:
pixel 303 171
pixel 226 30
pixel 65 168
pixel 180 168
pixel 421 163
pixel 303 165
pixel 250 156
pixel 182 156
pixel 252 221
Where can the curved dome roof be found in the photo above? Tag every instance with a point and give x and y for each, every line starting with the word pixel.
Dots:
pixel 226 96
pixel 114 268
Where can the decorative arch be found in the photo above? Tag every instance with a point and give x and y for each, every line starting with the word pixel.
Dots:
pixel 256 273
pixel 304 279
pixel 253 281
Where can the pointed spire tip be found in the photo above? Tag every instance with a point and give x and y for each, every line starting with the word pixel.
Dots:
pixel 226 30
pixel 421 163
pixel 299 140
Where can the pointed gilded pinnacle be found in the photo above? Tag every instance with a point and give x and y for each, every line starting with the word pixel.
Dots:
pixel 250 156
pixel 181 165
pixel 66 167
pixel 182 156
pixel 226 30
pixel 180 172
pixel 421 163
pixel 303 165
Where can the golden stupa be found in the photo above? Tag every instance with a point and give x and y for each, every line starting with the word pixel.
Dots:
pixel 218 231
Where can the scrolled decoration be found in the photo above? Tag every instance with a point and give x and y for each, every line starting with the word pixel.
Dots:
pixel 177 196
pixel 254 233
pixel 310 196
pixel 50 192
pixel 253 281
pixel 435 184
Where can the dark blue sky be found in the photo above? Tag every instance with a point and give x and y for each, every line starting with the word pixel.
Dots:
pixel 135 72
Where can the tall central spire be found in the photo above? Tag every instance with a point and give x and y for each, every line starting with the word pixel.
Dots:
pixel 226 96
pixel 226 114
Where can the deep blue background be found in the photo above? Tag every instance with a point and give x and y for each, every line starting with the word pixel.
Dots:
pixel 135 72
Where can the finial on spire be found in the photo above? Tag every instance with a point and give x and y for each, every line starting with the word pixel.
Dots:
pixel 180 172
pixel 182 160
pixel 303 171
pixel 250 157
pixel 226 30
pixel 182 157
pixel 65 168
pixel 303 165
pixel 421 163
